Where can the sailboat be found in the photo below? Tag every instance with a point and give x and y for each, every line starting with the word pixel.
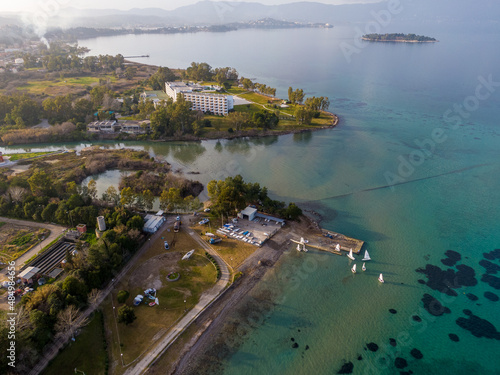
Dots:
pixel 337 248
pixel 350 256
pixel 298 247
pixel 363 268
pixel 367 256
pixel 381 278
pixel 353 269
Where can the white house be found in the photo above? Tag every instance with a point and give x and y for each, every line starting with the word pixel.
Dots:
pixel 248 213
pixel 216 103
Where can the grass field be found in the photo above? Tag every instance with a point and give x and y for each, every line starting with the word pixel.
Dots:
pixel 45 87
pixel 14 157
pixel 197 274
pixel 257 98
pixel 86 354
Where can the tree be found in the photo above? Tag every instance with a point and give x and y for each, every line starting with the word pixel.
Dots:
pixel 48 213
pixel 136 222
pixel 40 183
pixel 303 115
pixel 122 296
pixel 68 321
pixel 92 189
pixel 238 120
pixel 111 195
pixel 126 315
pixel 130 72
pixel 291 95
pixel 127 196
pixel 94 298
pixel 162 75
pixel 148 198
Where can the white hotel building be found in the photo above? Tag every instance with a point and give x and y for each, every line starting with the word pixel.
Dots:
pixel 202 101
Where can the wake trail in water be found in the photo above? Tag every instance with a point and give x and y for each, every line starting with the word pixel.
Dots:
pixel 400 183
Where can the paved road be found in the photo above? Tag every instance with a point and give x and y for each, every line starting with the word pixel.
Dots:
pixel 206 300
pixel 55 231
pixel 51 351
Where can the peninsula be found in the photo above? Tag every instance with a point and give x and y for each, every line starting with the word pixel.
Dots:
pixel 405 38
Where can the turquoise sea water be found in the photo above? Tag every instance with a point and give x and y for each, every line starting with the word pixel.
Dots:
pixel 391 98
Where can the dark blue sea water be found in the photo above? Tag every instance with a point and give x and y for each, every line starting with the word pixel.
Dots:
pixel 413 169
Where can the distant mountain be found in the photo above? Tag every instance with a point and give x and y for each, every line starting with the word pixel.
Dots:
pixel 225 12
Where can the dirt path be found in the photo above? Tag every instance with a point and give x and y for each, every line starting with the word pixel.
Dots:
pixel 55 231
pixel 207 299
pixel 254 269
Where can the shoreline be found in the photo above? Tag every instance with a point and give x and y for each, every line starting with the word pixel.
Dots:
pixel 212 322
pixel 399 41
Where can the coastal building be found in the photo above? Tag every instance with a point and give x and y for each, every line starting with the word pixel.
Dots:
pixel 103 126
pixel 27 275
pixel 112 126
pixel 153 223
pixel 251 214
pixel 202 101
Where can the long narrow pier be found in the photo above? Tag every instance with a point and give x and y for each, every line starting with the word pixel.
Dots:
pixel 328 241
pixel 134 57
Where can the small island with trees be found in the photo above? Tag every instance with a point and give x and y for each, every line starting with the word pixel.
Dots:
pixel 398 37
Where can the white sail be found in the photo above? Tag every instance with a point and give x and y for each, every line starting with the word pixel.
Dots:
pixel 353 269
pixel 350 256
pixel 381 278
pixel 364 267
pixel 337 247
pixel 367 256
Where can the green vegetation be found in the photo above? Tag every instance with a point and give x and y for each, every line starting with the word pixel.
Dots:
pixel 397 38
pixel 126 315
pixel 214 262
pixel 122 296
pixel 232 195
pixel 15 157
pixel 197 275
pixel 87 353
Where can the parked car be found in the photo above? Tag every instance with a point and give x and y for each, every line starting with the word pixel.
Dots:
pixel 178 218
pixel 165 243
pixel 204 221
pixel 207 210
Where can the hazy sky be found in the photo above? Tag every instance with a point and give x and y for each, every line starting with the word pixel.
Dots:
pixel 33 5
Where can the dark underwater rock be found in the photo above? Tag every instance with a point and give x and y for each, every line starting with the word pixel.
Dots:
pixel 491 296
pixel 452 257
pixel 453 337
pixel 346 368
pixel 400 363
pixel 372 346
pixel 433 306
pixel 479 327
pixel 417 354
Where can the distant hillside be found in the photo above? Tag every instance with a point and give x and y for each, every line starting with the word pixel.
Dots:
pixel 206 13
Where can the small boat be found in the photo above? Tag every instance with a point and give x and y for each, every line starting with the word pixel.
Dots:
pixel 298 247
pixel 353 269
pixel 337 248
pixel 364 267
pixel 188 255
pixel 381 278
pixel 350 256
pixel 367 256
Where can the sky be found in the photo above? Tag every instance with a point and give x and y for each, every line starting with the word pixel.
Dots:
pixel 51 5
